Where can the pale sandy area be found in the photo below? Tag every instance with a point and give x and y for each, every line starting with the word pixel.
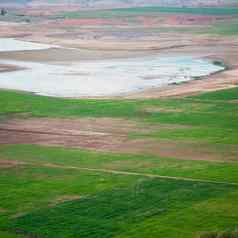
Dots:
pixel 79 49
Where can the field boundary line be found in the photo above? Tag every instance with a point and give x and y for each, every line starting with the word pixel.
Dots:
pixel 119 172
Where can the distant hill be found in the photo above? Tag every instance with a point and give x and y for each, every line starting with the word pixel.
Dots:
pixel 15 1
pixel 116 3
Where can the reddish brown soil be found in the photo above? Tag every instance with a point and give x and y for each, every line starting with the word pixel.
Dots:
pixel 104 134
pixel 148 21
pixel 90 22
pixel 9 164
pixel 189 19
pixel 216 82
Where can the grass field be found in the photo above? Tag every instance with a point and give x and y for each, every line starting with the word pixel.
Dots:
pixel 55 192
pixel 127 12
pixel 210 117
pixel 225 29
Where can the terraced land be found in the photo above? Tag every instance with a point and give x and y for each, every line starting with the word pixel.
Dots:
pixel 177 178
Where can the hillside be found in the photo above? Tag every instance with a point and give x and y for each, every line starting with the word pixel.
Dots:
pixel 119 3
pixel 140 2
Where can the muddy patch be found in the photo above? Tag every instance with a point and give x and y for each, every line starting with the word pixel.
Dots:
pixel 64 198
pixel 2 210
pixel 234 101
pixel 161 109
pixel 5 164
pixel 4 68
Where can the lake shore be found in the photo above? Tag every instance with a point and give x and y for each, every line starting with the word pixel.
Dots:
pixel 65 56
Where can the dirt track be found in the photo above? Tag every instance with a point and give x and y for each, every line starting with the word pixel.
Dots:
pixel 140 174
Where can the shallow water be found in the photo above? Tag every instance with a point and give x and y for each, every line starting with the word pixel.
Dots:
pixel 104 77
pixel 10 44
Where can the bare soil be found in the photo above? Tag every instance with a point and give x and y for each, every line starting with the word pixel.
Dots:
pixel 106 134
pixel 8 68
pixel 5 164
pixel 64 198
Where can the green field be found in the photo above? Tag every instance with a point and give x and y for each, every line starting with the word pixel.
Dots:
pixel 55 192
pixel 210 117
pixel 127 12
pixel 226 27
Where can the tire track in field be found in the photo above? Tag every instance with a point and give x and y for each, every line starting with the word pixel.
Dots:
pixel 119 172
